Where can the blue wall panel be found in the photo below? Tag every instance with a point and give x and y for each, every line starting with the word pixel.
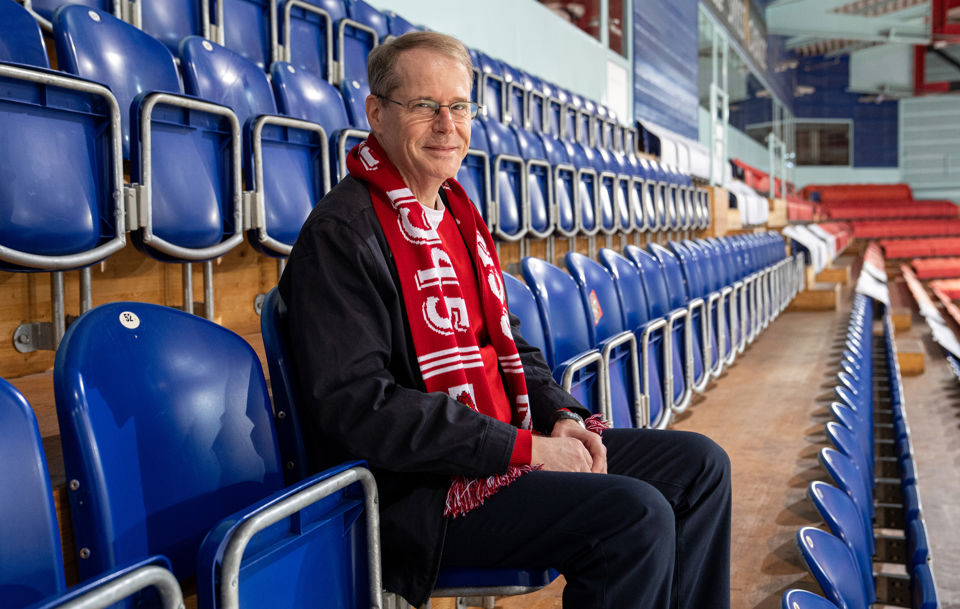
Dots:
pixel 874 124
pixel 665 64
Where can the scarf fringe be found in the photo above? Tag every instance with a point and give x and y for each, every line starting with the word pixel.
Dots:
pixel 467 494
pixel 596 424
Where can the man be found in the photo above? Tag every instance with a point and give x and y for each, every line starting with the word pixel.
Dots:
pixel 407 359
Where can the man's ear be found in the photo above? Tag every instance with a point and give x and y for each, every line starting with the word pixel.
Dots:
pixel 374 108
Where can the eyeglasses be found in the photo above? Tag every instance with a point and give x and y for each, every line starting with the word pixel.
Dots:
pixel 428 109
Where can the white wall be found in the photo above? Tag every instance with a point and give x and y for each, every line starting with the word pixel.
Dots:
pixel 825 174
pixel 533 39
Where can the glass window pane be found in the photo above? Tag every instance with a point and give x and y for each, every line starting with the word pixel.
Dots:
pixel 585 14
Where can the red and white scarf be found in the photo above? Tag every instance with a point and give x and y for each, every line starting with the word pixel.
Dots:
pixel 447 351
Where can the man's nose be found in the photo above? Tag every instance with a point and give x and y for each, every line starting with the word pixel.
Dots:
pixel 443 121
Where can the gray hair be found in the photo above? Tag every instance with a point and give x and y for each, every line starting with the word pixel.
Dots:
pixel 381 63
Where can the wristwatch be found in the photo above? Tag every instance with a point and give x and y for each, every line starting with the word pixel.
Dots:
pixel 567 414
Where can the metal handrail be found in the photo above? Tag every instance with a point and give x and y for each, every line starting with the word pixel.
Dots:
pixel 625 337
pixel 333 69
pixel 650 328
pixel 687 395
pixel 125 586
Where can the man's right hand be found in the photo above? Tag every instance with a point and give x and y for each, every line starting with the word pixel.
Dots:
pixel 563 454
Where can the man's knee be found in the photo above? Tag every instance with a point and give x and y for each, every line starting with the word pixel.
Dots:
pixel 642 510
pixel 714 461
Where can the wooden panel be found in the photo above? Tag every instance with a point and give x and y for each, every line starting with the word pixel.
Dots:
pixel 834 274
pixel 778 213
pixel 910 355
pixel 719 211
pixel 819 297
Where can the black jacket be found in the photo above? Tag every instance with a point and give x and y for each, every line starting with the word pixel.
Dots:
pixel 363 395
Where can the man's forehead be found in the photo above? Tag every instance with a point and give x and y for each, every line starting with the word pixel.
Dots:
pixel 420 63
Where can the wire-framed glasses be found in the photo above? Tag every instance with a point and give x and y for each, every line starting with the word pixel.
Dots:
pixel 429 109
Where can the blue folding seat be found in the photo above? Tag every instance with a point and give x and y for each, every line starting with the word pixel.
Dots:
pixel 185 153
pixel 61 203
pixel 508 182
pixel 702 300
pixel 923 589
pixel 576 365
pixel 616 165
pixel 711 290
pixel 617 343
pixel 397 25
pixel 918 548
pixel 357 35
pixel 586 119
pixel 245 27
pixel 718 282
pixel 537 97
pixel 802 599
pixel 355 92
pixel 306 33
pixel 847 442
pixel 493 88
pixel 660 191
pixel 285 160
pixel 732 293
pixel 854 423
pixel 636 190
pixel 569 124
pixel 678 325
pixel 832 564
pixel 843 517
pixel 541 214
pixel 304 95
pixel 696 373
pixel 43 10
pixel 649 332
pixel 474 172
pixel 476 89
pixel 848 478
pixel 515 99
pixel 31 562
pixel 565 186
pixel 167 431
pixel 588 188
pixel 608 192
pixel 522 304
pixel 276 342
pixel 170 21
pixel 912 507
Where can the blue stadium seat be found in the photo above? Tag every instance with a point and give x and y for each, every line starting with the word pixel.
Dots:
pixel 718 282
pixel 617 344
pixel 801 599
pixel 31 563
pixel 397 25
pixel 285 160
pixel 923 589
pixel 357 35
pixel 306 34
pixel 246 27
pixel 185 153
pixel 586 120
pixel 539 200
pixel 847 442
pixel 569 131
pixel 493 88
pixel 616 164
pixel 474 172
pixel 61 203
pixel 553 118
pixel 576 365
pixel 170 21
pixel 588 187
pixel 834 567
pixel 843 517
pixel 678 325
pixel 649 333
pixel 166 426
pixel 565 187
pixel 515 100
pixel 692 352
pixel 608 192
pixel 450 581
pixel 523 305
pixel 43 10
pixel 698 278
pixel 918 547
pixel 508 182
pixel 304 95
pixel 848 479
pixel 536 110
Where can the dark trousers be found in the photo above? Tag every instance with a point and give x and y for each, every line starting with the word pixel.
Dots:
pixel 654 533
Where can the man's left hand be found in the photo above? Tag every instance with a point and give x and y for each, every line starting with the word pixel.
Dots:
pixel 590 440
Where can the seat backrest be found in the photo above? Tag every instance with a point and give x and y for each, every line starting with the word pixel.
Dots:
pixel 539 180
pixel 847 442
pixel 565 328
pixel 355 92
pixel 672 274
pixel 598 294
pixel 357 40
pixel 848 478
pixel 246 30
pixel 305 95
pixel 398 25
pixel 166 424
pixel 802 599
pixel 21 40
pixel 843 518
pixel 658 298
pixel 31 565
pixel 523 305
pixel 46 8
pixel 98 46
pixel 222 76
pixel 506 177
pixel 170 21
pixel 629 282
pixel 690 265
pixel 834 567
pixel 309 40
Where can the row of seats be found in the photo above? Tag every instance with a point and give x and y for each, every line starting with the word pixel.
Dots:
pixel 872 488
pixel 930 268
pixel 880 229
pixel 633 336
pixel 857 210
pixel 821 243
pixel 921 248
pixel 943 332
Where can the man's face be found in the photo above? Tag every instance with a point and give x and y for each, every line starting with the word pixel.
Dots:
pixel 426 151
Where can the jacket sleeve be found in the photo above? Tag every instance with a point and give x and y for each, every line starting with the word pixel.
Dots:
pixel 359 384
